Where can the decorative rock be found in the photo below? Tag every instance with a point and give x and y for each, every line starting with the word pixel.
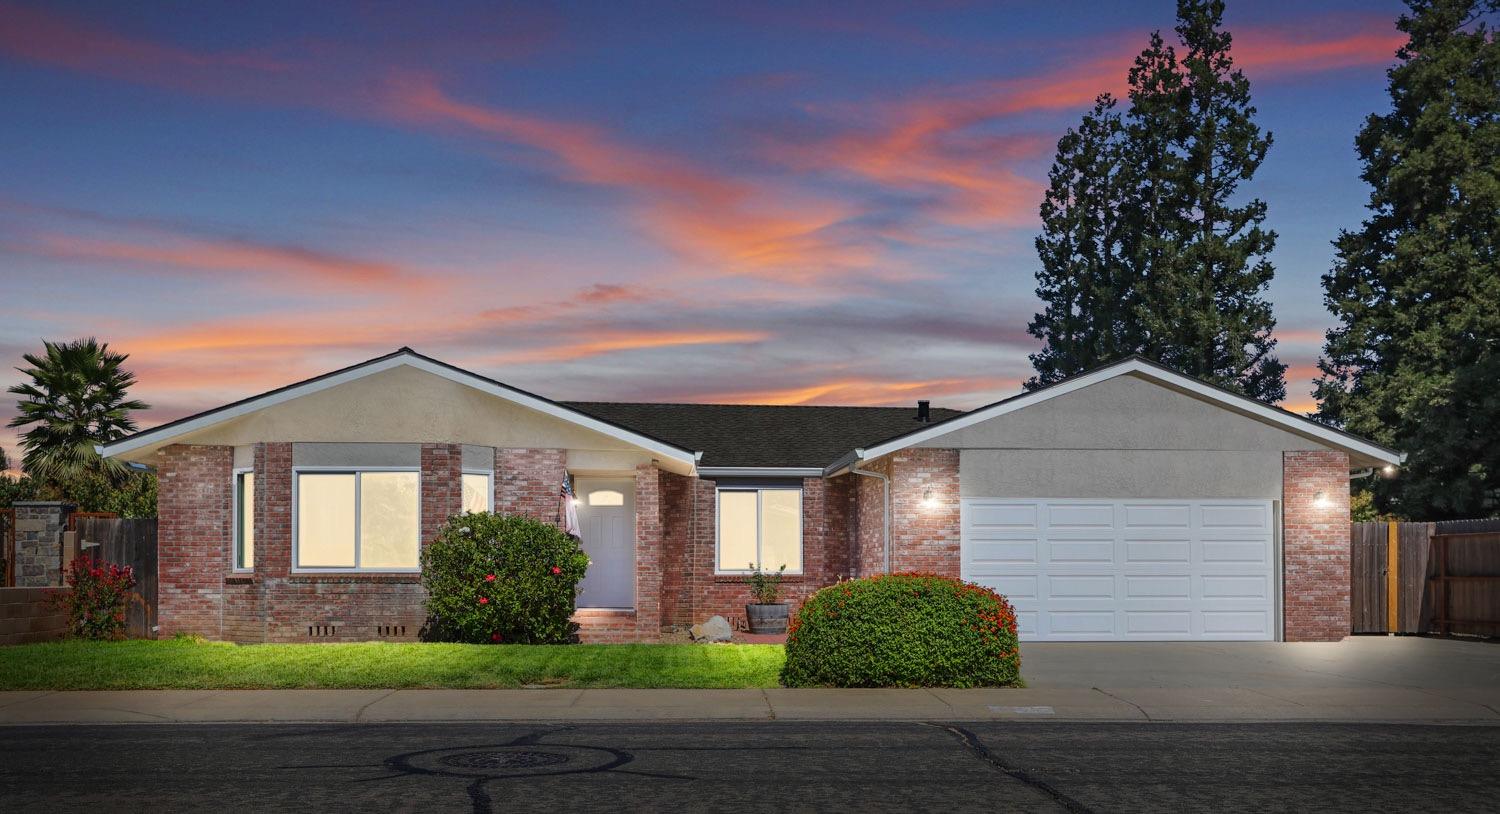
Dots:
pixel 716 629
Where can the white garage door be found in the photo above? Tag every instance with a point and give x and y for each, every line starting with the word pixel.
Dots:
pixel 1090 570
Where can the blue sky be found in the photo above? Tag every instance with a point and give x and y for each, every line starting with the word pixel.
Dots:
pixel 784 203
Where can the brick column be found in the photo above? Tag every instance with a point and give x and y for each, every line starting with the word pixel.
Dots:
pixel 648 552
pixel 676 553
pixel 527 481
pixel 1315 545
pixel 442 486
pixel 195 511
pixel 924 511
pixel 838 505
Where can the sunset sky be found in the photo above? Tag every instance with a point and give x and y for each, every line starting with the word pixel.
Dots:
pixel 778 203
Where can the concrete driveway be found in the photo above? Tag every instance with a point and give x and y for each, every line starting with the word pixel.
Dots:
pixel 1356 662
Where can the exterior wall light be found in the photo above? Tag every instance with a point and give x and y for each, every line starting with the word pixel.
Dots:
pixel 1321 501
pixel 1389 470
pixel 928 501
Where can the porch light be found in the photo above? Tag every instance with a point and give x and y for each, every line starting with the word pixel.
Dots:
pixel 1321 501
pixel 928 501
pixel 1389 470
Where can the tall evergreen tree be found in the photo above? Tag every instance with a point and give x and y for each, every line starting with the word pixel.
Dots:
pixel 1085 320
pixel 1415 362
pixel 1187 268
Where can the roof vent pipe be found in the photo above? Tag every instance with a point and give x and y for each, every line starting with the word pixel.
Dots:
pixel 924 411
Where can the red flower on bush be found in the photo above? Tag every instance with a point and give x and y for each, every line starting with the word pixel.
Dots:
pixel 489 577
pixel 484 600
pixel 494 637
pixel 96 604
pixel 556 570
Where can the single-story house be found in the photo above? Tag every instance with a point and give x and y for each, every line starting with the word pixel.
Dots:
pixel 1130 502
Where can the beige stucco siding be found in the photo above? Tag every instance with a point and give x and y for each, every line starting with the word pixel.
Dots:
pixel 1119 474
pixel 405 405
pixel 1125 437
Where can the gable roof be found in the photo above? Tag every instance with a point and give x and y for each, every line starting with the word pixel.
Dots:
pixel 1146 369
pixel 398 358
pixel 762 436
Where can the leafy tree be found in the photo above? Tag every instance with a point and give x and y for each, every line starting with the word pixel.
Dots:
pixel 1415 360
pixel 1141 241
pixel 76 398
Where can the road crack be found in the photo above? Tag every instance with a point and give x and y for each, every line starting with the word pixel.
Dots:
pixel 972 742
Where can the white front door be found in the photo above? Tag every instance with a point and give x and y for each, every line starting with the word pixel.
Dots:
pixel 606 519
pixel 1099 570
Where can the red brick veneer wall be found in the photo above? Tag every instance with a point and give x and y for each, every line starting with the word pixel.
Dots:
pixel 529 481
pixel 925 537
pixel 1315 545
pixel 193 537
pixel 867 550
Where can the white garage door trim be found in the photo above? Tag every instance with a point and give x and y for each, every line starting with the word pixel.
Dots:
pixel 1131 570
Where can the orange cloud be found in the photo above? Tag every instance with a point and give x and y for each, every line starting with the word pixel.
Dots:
pixel 616 342
pixel 927 142
pixel 860 392
pixel 714 216
pixel 195 254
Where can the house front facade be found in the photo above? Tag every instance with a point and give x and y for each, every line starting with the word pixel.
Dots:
pixel 1127 503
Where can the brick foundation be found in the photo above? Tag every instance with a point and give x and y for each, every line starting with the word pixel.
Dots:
pixel 1315 545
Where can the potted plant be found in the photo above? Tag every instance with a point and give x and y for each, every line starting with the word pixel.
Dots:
pixel 765 614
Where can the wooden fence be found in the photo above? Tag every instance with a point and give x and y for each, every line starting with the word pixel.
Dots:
pixel 1444 577
pixel 132 543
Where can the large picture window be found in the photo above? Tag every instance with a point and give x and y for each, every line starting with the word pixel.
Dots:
pixel 368 520
pixel 760 527
pixel 244 520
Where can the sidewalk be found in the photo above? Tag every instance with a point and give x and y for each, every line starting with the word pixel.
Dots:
pixel 1099 704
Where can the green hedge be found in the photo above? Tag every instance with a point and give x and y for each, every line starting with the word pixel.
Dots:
pixel 903 630
pixel 501 578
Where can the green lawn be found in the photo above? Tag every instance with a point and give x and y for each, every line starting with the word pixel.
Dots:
pixel 190 664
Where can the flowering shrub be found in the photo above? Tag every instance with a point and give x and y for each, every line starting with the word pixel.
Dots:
pixel 903 630
pixel 501 578
pixel 97 602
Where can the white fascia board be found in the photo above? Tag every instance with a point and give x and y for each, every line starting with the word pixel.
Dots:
pixel 1243 404
pixel 209 419
pixel 760 471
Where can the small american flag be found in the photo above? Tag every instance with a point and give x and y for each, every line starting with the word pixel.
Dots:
pixel 567 511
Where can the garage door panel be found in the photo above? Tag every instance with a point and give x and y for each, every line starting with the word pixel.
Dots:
pixel 1157 515
pixel 1081 623
pixel 997 515
pixel 1158 587
pixel 1130 570
pixel 1236 551
pixel 1158 552
pixel 1080 587
pixel 1005 551
pixel 1080 516
pixel 1092 552
pixel 1155 623
pixel 1236 516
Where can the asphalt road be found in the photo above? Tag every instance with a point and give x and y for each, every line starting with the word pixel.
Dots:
pixel 753 767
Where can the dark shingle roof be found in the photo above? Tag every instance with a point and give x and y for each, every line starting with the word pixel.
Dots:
pixel 762 435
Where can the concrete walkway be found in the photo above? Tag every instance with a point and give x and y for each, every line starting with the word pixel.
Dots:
pixel 1363 679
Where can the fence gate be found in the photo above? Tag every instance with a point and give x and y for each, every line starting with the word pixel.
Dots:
pixel 132 543
pixel 1444 577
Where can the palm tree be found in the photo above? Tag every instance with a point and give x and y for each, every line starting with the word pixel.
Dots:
pixel 76 398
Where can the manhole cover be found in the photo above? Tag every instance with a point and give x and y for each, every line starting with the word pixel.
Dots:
pixel 503 760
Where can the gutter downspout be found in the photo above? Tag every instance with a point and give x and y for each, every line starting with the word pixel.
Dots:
pixel 885 483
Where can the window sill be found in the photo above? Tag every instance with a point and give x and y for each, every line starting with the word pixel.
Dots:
pixel 305 578
pixel 745 578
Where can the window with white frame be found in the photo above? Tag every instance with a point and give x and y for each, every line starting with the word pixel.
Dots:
pixel 358 520
pixel 479 492
pixel 244 519
pixel 759 527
